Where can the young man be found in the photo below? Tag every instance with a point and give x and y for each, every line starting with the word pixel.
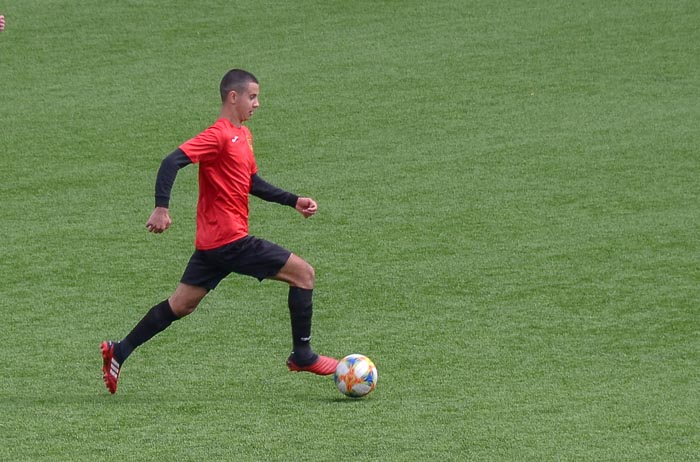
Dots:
pixel 227 175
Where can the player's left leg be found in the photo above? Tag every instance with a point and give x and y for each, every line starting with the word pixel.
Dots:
pixel 301 278
pixel 263 259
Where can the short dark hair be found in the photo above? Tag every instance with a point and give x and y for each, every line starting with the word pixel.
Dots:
pixel 235 80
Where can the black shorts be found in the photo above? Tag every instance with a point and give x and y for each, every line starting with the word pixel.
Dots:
pixel 250 256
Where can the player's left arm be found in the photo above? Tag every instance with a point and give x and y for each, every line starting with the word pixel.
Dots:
pixel 160 220
pixel 270 193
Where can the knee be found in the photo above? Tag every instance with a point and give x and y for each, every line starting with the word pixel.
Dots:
pixel 186 299
pixel 182 308
pixel 307 277
pixel 310 276
pixel 297 273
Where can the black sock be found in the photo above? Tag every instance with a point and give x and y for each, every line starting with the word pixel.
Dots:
pixel 156 320
pixel 300 312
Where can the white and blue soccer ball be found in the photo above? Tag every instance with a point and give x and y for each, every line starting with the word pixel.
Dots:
pixel 356 375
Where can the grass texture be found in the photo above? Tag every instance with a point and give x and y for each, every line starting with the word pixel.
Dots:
pixel 508 226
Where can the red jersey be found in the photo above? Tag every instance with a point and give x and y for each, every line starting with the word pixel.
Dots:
pixel 226 162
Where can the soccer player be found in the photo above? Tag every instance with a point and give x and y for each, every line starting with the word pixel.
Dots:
pixel 227 175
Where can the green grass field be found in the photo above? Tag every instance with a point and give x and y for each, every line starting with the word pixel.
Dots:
pixel 508 225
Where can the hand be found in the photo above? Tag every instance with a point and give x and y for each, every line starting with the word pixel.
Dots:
pixel 2 23
pixel 159 220
pixel 306 206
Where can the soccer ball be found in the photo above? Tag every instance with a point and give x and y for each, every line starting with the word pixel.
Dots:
pixel 355 376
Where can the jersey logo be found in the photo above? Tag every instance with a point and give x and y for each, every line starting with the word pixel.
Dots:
pixel 250 143
pixel 234 139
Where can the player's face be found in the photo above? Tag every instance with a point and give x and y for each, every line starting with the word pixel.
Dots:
pixel 247 101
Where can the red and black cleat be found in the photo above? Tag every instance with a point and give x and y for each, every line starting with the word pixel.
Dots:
pixel 324 365
pixel 110 366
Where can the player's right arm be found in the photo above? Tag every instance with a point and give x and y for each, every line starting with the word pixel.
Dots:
pixel 160 220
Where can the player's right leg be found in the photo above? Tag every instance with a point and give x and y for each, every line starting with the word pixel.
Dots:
pixel 183 302
pixel 110 366
pixel 199 277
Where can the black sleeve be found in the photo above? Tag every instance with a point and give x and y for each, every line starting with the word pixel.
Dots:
pixel 267 192
pixel 166 175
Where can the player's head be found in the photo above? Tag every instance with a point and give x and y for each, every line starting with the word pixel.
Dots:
pixel 235 80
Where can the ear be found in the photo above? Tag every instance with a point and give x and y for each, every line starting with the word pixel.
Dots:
pixel 231 97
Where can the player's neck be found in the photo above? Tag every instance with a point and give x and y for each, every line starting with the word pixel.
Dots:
pixel 233 118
